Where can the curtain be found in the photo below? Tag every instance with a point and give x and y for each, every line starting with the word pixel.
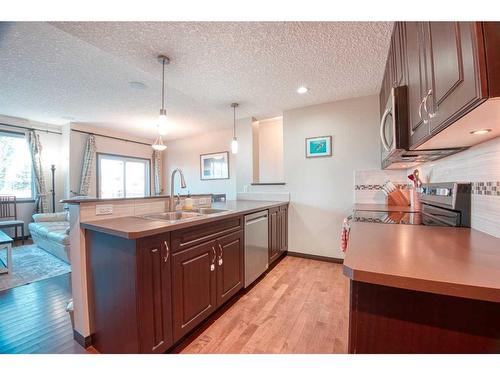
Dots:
pixel 88 165
pixel 158 189
pixel 41 205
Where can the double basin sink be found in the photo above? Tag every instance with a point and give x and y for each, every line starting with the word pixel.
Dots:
pixel 176 216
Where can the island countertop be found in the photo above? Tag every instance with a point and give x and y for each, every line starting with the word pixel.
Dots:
pixel 459 262
pixel 132 227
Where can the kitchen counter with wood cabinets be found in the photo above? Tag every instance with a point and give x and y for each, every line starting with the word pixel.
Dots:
pixel 150 283
pixel 420 289
pixel 132 227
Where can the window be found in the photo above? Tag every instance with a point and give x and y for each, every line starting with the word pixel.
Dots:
pixel 122 176
pixel 16 169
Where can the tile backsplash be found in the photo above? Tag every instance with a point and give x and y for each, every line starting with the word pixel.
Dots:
pixel 479 165
pixel 368 184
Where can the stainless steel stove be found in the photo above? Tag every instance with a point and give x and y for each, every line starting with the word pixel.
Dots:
pixel 443 204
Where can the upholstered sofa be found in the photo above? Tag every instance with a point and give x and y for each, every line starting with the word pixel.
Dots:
pixel 50 232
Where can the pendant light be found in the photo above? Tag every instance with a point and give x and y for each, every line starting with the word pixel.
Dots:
pixel 234 142
pixel 162 119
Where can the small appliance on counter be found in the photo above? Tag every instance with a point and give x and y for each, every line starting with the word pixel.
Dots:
pixel 446 204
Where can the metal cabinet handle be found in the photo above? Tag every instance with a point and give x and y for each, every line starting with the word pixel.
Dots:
pixel 154 250
pixel 220 255
pixel 165 258
pixel 420 111
pixel 431 115
pixel 382 123
pixel 212 265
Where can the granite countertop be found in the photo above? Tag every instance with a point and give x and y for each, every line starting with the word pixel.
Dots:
pixel 383 208
pixel 459 262
pixel 132 227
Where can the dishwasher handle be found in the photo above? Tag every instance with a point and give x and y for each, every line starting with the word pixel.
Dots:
pixel 255 218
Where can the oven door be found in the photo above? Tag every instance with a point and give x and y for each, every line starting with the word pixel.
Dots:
pixel 436 216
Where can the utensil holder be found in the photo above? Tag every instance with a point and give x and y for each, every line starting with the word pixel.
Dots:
pixel 398 198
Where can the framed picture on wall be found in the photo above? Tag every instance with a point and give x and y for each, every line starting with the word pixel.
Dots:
pixel 214 166
pixel 317 147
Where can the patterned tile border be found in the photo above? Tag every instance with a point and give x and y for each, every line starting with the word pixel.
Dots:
pixel 368 187
pixel 486 188
pixel 373 187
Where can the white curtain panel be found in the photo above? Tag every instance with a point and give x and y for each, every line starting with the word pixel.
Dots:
pixel 41 205
pixel 88 165
pixel 157 182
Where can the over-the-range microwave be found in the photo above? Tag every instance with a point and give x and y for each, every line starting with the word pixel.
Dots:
pixel 395 138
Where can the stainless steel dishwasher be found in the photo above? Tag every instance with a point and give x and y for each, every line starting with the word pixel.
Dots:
pixel 256 246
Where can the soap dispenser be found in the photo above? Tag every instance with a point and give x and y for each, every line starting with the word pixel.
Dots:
pixel 188 202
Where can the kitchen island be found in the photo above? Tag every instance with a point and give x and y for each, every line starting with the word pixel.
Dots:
pixel 420 289
pixel 151 282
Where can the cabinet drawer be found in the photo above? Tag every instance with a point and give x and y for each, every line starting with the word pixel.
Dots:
pixel 186 238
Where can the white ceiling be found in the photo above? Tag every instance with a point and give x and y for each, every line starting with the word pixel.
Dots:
pixel 81 70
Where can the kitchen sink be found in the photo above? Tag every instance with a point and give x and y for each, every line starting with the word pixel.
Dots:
pixel 173 216
pixel 208 210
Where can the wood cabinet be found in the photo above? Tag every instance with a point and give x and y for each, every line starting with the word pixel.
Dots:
pixel 154 287
pixel 230 266
pixel 444 66
pixel 194 286
pixel 278 232
pixel 204 277
pixel 129 293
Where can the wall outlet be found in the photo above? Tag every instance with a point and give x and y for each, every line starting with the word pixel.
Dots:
pixel 104 209
pixel 204 201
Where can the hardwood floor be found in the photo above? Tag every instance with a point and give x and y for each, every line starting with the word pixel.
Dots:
pixel 301 306
pixel 33 318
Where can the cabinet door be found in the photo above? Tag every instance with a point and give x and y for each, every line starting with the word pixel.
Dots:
pixel 273 235
pixel 453 71
pixel 154 297
pixel 417 82
pixel 283 229
pixel 229 264
pixel 193 287
pixel 398 55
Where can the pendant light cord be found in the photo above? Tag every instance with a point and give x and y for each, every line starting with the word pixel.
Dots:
pixel 163 85
pixel 234 122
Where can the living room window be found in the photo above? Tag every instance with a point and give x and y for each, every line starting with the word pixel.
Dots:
pixel 16 168
pixel 122 176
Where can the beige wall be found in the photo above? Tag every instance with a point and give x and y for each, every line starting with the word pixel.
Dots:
pixel 270 148
pixel 321 190
pixel 185 154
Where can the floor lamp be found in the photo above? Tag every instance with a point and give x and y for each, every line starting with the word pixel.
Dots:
pixel 53 191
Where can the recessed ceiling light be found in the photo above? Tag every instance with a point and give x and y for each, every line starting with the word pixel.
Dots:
pixel 137 85
pixel 302 90
pixel 480 131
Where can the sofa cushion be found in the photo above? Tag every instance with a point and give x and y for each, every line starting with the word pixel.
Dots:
pixel 51 230
pixel 57 216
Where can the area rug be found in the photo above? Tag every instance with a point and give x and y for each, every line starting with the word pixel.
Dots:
pixel 29 264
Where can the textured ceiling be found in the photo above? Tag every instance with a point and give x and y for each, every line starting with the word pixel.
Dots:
pixel 81 70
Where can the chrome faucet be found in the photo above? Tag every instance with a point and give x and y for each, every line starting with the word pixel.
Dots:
pixel 183 186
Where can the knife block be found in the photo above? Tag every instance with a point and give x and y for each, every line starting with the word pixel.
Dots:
pixel 399 197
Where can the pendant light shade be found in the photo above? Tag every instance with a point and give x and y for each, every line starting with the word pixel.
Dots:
pixel 162 119
pixel 234 142
pixel 234 146
pixel 158 144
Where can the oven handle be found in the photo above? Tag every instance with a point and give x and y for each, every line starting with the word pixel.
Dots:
pixel 453 224
pixel 382 123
